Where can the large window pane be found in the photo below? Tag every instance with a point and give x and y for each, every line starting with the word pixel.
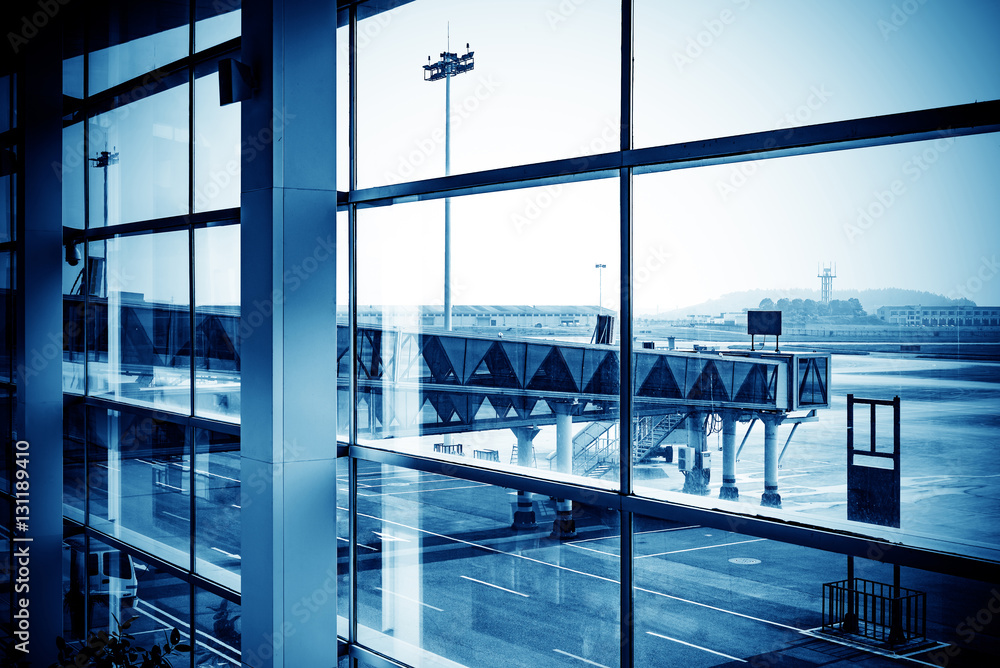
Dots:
pixel 140 481
pixel 216 23
pixel 441 573
pixel 71 173
pixel 544 86
pixel 128 39
pixel 217 632
pixel 217 322
pixel 140 350
pixel 130 588
pixel 725 67
pixel 710 597
pixel 8 322
pixel 216 145
pixel 74 465
pixel 518 381
pixel 906 236
pixel 139 159
pixel 217 500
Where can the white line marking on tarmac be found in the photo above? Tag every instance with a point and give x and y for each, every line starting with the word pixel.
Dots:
pixel 638 533
pixel 491 549
pixel 180 625
pixel 704 649
pixel 729 612
pixel 418 491
pixel 704 547
pixel 228 554
pixel 411 600
pixel 510 591
pixel 389 538
pixel 589 575
pixel 846 643
pixel 590 549
pixel 373 549
pixel 580 658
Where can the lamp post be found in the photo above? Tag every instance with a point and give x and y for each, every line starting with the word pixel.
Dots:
pixel 450 65
pixel 600 291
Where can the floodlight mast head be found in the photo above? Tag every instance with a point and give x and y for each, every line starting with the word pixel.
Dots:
pixel 449 65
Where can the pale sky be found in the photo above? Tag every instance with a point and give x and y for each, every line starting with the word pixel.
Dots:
pixel 545 86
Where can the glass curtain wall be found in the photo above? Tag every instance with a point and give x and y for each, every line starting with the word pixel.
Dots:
pixel 151 355
pixel 796 461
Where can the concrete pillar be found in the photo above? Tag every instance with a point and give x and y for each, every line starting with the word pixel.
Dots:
pixel 524 515
pixel 771 498
pixel 36 441
pixel 564 440
pixel 696 480
pixel 288 447
pixel 563 527
pixel 729 490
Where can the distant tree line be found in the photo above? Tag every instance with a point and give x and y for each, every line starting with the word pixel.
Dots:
pixel 808 309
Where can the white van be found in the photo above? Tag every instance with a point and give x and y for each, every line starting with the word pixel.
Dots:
pixel 110 573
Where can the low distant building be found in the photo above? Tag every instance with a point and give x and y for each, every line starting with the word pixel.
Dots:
pixel 464 316
pixel 941 316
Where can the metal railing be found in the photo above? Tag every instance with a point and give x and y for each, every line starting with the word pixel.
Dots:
pixel 881 612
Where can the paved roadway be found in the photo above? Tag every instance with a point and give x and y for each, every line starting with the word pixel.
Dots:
pixel 465 587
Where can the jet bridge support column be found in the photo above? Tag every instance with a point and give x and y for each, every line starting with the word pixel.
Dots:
pixel 524 516
pixel 563 527
pixel 729 490
pixel 771 498
pixel 696 480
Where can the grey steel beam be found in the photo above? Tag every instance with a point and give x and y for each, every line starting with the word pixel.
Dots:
pixel 953 121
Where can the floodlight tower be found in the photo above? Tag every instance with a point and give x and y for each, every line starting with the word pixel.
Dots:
pixel 450 65
pixel 826 274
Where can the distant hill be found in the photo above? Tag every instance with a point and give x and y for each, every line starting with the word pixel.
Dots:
pixel 870 300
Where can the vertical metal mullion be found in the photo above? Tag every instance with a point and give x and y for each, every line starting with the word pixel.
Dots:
pixel 190 431
pixel 352 301
pixel 627 592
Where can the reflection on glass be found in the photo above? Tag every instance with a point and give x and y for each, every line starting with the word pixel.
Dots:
pixel 217 322
pixel 7 317
pixel 343 329
pixel 519 380
pixel 140 473
pixel 438 560
pixel 74 351
pixel 218 629
pixel 732 67
pixel 74 471
pixel 158 601
pixel 552 92
pixel 74 583
pixel 343 551
pixel 217 507
pixel 140 350
pixel 901 236
pixel 5 102
pixel 128 39
pixel 6 424
pixel 708 597
pixel 138 159
pixel 6 204
pixel 71 174
pixel 216 147
pixel 216 23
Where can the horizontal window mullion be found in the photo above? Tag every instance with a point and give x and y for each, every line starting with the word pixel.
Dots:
pixel 955 121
